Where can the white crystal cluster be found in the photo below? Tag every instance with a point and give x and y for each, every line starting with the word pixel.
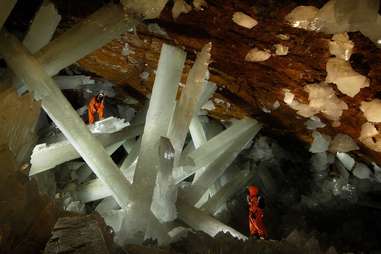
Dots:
pixel 320 143
pixel 370 135
pixel 372 110
pixel 325 149
pixel 314 123
pixel 281 50
pixel 159 159
pixel 257 55
pixel 334 155
pixel 339 70
pixel 108 125
pixel 343 143
pixel 159 173
pixel 322 99
pixel 348 81
pixel 244 20
pixel 47 156
pixel 340 145
pixel 341 46
pixel 338 16
pixel 334 17
pixel 164 197
pixel 302 16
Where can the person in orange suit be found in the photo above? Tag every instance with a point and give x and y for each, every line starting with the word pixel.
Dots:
pixel 256 213
pixel 96 105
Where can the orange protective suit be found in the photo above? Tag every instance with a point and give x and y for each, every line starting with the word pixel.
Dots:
pixel 95 106
pixel 256 213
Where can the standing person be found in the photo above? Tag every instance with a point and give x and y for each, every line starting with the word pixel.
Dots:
pixel 96 106
pixel 256 213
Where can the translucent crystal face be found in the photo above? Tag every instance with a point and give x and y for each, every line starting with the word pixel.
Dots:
pixel 257 55
pixel 281 50
pixel 341 46
pixel 189 103
pixel 320 143
pixel 346 160
pixel 361 171
pixel 372 110
pixel 356 12
pixel 343 143
pixel 347 80
pixel 244 20
pixel 302 16
pixel 370 136
pixel 43 27
pixel 321 98
pixel 314 122
pixel 338 16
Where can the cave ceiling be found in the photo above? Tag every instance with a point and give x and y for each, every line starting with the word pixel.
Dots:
pixel 244 88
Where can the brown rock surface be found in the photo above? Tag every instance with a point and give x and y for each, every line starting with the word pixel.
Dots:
pixel 26 218
pixel 18 119
pixel 80 234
